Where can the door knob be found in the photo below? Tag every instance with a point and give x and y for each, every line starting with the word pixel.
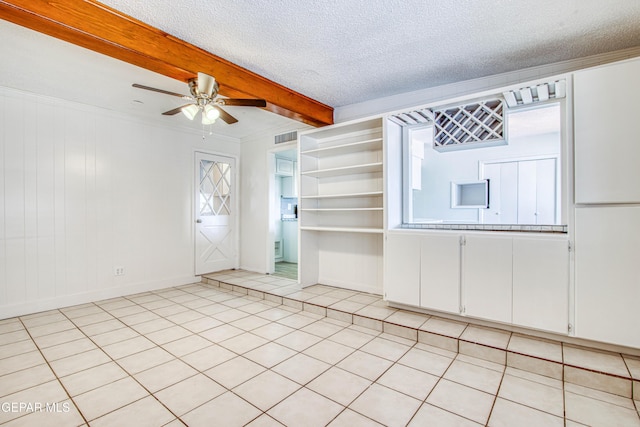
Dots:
pixel 199 221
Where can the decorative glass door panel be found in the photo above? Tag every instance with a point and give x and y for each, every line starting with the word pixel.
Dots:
pixel 215 188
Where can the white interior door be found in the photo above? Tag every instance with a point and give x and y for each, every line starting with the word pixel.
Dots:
pixel 215 222
pixel 521 192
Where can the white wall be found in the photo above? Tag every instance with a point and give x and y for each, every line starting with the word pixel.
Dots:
pixel 83 190
pixel 277 225
pixel 256 170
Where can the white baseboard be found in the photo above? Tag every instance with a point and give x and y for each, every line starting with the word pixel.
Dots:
pixel 37 306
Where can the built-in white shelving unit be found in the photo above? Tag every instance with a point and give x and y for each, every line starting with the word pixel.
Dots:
pixel 341 205
pixel 345 170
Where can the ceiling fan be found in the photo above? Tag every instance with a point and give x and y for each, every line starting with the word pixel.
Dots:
pixel 204 98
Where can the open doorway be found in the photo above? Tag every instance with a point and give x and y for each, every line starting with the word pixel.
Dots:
pixel 284 214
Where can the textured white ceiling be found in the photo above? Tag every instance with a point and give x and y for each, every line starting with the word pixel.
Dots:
pixel 341 52
pixel 33 62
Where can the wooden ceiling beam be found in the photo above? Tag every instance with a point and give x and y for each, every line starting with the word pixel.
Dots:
pixel 92 25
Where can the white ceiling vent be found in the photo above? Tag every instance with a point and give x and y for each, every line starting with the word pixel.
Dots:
pixel 417 117
pixel 539 93
pixel 474 125
pixel 286 137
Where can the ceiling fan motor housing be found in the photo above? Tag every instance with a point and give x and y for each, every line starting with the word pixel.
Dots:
pixel 203 93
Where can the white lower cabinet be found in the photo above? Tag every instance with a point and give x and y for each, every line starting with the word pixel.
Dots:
pixel 440 272
pixel 487 277
pixel 608 274
pixel 519 280
pixel 423 270
pixel 541 283
pixel 402 269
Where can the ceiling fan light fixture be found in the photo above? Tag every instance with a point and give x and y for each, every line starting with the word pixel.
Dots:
pixel 207 121
pixel 211 112
pixel 204 97
pixel 190 111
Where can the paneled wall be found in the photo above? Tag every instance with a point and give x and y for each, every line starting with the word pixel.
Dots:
pixel 84 190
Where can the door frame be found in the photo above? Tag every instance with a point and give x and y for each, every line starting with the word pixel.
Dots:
pixel 234 203
pixel 273 211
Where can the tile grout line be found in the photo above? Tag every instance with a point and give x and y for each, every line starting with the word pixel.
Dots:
pixel 564 391
pixel 187 289
pixel 53 371
pixel 228 390
pixel 335 365
pixel 304 386
pixel 424 401
pixel 180 358
pixel 267 369
pixel 495 397
pixel 382 385
pixel 506 353
pixel 471 342
pixel 504 372
pixel 156 345
pixel 121 367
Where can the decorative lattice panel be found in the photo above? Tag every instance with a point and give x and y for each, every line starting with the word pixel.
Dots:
pixel 537 93
pixel 215 186
pixel 416 117
pixel 468 126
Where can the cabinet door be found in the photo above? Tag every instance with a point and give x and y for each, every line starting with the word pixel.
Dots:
pixel 607 152
pixel 503 193
pixel 290 241
pixel 284 167
pixel 608 274
pixel 546 191
pixel 402 269
pixel 541 283
pixel 537 191
pixel 487 277
pixel 491 215
pixel 527 193
pixel 440 272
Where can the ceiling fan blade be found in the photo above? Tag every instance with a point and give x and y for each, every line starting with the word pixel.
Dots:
pixel 153 89
pixel 175 110
pixel 206 84
pixel 228 118
pixel 243 102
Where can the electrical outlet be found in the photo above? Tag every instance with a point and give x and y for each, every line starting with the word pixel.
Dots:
pixel 118 271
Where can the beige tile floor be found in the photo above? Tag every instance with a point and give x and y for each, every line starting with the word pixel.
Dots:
pixel 202 355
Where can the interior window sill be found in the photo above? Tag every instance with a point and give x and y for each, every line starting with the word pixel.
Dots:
pixel 491 227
